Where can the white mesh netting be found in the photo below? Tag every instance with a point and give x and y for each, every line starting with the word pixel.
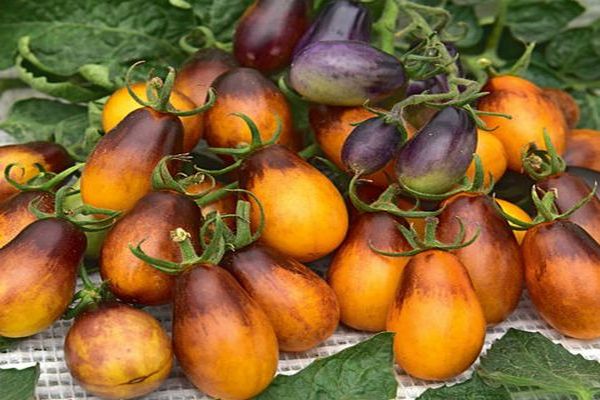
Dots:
pixel 56 382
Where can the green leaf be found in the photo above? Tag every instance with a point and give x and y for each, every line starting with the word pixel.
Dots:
pixel 220 16
pixel 464 21
pixel 589 105
pixel 540 20
pixel 363 371
pixel 19 384
pixel 7 343
pixel 571 52
pixel 543 74
pixel 530 363
pixel 472 389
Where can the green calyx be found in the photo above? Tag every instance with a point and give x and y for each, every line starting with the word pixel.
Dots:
pixel 546 209
pixel 243 235
pixel 466 185
pixel 540 164
pixel 44 181
pixel 96 225
pixel 158 92
pixel 89 297
pixel 429 240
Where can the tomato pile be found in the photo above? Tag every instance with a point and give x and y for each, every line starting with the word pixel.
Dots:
pixel 392 185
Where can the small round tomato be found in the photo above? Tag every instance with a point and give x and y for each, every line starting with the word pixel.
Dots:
pixel 120 103
pixel 515 211
pixel 492 154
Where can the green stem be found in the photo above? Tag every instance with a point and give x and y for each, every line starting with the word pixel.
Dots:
pixel 491 46
pixel 386 24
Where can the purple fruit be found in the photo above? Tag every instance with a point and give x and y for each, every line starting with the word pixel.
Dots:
pixel 438 156
pixel 370 146
pixel 338 20
pixel 345 73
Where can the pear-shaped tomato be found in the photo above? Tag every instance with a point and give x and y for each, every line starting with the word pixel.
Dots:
pixel 120 104
pixel 118 172
pixel 583 149
pixel 438 321
pixel 531 113
pixel 38 270
pixel 246 91
pixel 150 220
pixel 15 215
pixel 494 261
pixel 305 215
pixel 117 351
pixel 302 308
pixel 225 205
pixel 51 156
pixel 223 340
pixel 366 282
pixel 562 272
pixel 492 155
pixel 515 211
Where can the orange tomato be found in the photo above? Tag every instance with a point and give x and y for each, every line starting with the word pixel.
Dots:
pixel 532 112
pixel 120 103
pixel 515 211
pixel 492 154
pixel 583 149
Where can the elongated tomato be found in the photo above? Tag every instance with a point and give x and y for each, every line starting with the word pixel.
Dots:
pixel 517 212
pixel 305 215
pixel 438 321
pixel 366 282
pixel 38 270
pixel 494 261
pixel 150 220
pixel 246 91
pixel 562 271
pixel 51 156
pixel 116 351
pixel 117 173
pixel 221 337
pixel 15 215
pixel 302 308
pixel 583 149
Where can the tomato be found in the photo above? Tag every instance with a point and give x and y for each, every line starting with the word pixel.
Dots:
pixel 493 261
pixel 438 321
pixel 583 149
pixel 51 156
pixel 302 308
pixel 38 272
pixel 225 205
pixel 305 215
pixel 492 154
pixel 562 274
pixel 223 340
pixel 532 112
pixel 16 216
pixel 116 351
pixel 120 104
pixel 515 211
pixel 566 103
pixel 365 282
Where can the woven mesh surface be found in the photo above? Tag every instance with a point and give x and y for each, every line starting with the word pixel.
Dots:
pixel 56 382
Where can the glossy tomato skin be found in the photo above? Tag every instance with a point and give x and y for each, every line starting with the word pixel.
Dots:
pixel 246 91
pixel 438 321
pixel 517 212
pixel 222 339
pixel 151 220
pixel 302 308
pixel 562 273
pixel 583 149
pixel 38 270
pixel 366 282
pixel 338 20
pixel 566 103
pixel 493 261
pixel 225 205
pixel 570 189
pixel 492 155
pixel 15 215
pixel 51 156
pixel 199 72
pixel 268 32
pixel 305 216
pixel 532 111
pixel 120 104
pixel 116 351
pixel 332 126
pixel 118 171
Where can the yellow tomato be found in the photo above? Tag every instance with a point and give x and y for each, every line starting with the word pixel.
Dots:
pixel 515 211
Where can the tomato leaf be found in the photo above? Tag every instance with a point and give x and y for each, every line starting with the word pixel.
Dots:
pixel 220 16
pixel 527 363
pixel 363 371
pixel 6 343
pixel 540 20
pixel 464 20
pixel 589 105
pixel 472 389
pixel 19 384
pixel 572 52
